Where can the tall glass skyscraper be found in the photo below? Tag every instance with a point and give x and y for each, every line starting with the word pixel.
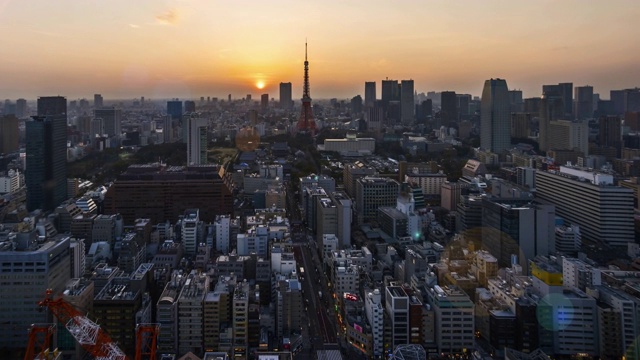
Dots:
pixel 46 155
pixel 495 116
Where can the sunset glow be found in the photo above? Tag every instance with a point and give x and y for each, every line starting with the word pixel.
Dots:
pixel 174 46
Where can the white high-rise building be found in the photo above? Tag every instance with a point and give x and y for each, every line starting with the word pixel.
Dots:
pixel 375 316
pixel 345 216
pixel 589 199
pixel 578 274
pixel 11 182
pixel 78 258
pixel 190 225
pixel 495 116
pixel 222 228
pixel 196 140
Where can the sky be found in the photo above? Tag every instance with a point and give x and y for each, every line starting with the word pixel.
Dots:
pixel 191 48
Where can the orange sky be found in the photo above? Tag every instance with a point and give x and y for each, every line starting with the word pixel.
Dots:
pixel 191 48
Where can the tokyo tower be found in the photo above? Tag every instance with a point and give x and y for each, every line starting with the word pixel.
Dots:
pixel 306 124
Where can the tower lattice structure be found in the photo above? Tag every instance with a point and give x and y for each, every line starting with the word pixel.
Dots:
pixel 306 123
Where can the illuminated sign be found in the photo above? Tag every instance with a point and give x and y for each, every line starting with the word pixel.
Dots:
pixel 350 297
pixel 357 327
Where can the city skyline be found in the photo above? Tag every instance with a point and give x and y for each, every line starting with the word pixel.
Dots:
pixel 189 49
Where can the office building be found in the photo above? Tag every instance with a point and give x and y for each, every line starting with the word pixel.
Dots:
pixel 344 207
pixel 397 309
pixel 190 313
pixel 568 135
pixel 197 140
pixel 390 92
pixel 495 115
pixel 326 218
pixel 217 313
pixel 407 103
pixel 619 319
pixel 517 227
pixel 374 116
pixel 191 231
pixel 9 134
pixel 608 219
pixel 563 92
pixel 122 304
pixel 160 192
pixel 454 316
pixel 551 108
pixel 167 313
pixel 373 193
pixel 351 145
pixel 520 125
pixel 264 102
pixel 375 316
pixel 450 194
pixel 352 172
pixel 11 182
pixel 174 109
pixel 568 326
pixel 98 101
pixel 448 108
pixel 46 160
pixel 583 103
pixel 240 320
pixel 610 134
pixel 52 106
pixel 515 99
pixel 29 268
pixel 369 93
pixel 111 121
pixel 189 106
pixel 285 96
pixel 464 102
pixel 22 111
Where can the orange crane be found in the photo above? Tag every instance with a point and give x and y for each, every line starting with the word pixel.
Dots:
pixel 147 341
pixel 86 332
pixel 39 347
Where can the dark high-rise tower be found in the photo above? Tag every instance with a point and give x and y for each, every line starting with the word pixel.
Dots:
pixel 306 124
pixel 46 151
pixel 448 107
pixel 369 93
pixel 495 116
pixel 285 96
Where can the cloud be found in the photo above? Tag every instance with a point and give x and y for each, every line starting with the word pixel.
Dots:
pixel 171 17
pixel 134 26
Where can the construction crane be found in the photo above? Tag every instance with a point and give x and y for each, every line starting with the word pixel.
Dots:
pixel 40 336
pixel 86 332
pixel 147 341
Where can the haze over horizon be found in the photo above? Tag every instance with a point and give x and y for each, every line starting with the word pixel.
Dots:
pixel 193 48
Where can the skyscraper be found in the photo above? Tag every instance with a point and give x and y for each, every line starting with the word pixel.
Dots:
pixel 264 102
pixel 196 140
pixel 21 108
pixel 583 104
pixel 564 92
pixel 9 134
pixel 407 104
pixel 111 120
pixel 98 101
pixel 52 105
pixel 189 106
pixel 448 108
pixel 369 93
pixel 495 116
pixel 174 109
pixel 390 92
pixel 285 96
pixel 46 152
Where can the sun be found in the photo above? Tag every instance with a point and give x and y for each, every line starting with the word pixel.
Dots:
pixel 260 84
